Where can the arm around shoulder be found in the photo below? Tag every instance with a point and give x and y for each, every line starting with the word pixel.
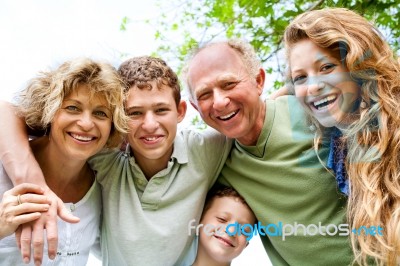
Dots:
pixel 15 152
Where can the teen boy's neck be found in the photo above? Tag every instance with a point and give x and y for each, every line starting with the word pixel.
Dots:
pixel 151 166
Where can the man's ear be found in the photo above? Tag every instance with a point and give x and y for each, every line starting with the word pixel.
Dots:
pixel 260 79
pixel 182 107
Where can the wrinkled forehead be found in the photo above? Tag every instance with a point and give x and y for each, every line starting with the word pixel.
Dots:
pixel 217 54
pixel 219 59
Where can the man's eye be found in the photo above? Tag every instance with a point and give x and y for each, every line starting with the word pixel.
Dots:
pixel 161 110
pixel 203 96
pixel 134 113
pixel 230 85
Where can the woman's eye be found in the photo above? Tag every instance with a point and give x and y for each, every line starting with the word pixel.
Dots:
pixel 299 79
pixel 100 113
pixel 71 108
pixel 327 67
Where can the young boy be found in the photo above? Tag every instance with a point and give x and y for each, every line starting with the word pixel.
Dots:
pixel 224 229
pixel 152 190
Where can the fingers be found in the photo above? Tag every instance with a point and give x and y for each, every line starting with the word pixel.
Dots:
pixel 66 215
pixel 25 188
pixel 52 238
pixel 26 218
pixel 51 231
pixel 61 210
pixel 32 234
pixel 32 198
pixel 17 208
pixel 25 242
pixel 20 211
pixel 37 242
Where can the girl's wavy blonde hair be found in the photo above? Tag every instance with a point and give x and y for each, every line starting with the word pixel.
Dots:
pixel 44 94
pixel 373 160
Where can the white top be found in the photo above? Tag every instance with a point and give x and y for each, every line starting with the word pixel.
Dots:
pixel 146 222
pixel 74 240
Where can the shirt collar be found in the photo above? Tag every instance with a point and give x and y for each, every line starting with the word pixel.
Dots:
pixel 180 149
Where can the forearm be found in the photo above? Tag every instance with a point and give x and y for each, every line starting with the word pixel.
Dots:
pixel 15 152
pixel 281 92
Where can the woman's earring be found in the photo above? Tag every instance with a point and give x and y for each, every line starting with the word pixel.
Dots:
pixel 363 104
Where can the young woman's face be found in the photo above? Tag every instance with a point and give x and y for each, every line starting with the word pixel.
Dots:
pixel 82 125
pixel 323 84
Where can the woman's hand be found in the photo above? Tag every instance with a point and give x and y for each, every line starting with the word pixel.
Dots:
pixel 22 204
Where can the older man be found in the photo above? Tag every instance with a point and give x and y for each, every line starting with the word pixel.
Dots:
pixel 272 164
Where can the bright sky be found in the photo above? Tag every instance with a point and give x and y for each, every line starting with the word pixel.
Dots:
pixel 41 34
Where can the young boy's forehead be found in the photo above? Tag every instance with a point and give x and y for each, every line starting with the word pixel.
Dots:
pixel 224 205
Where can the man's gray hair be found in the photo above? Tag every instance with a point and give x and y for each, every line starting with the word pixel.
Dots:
pixel 244 49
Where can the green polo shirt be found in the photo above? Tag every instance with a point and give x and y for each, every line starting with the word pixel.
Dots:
pixel 146 222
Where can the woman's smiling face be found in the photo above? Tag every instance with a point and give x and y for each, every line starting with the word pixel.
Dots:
pixel 323 84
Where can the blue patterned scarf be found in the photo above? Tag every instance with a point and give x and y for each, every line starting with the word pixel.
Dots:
pixel 336 161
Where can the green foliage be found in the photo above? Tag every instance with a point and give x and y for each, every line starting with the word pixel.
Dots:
pixel 262 22
pixel 124 22
pixel 198 123
pixel 184 24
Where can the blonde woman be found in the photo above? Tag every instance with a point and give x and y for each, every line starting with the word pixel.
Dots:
pixel 80 107
pixel 349 83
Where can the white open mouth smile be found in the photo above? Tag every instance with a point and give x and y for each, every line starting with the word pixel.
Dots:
pixel 81 138
pixel 151 138
pixel 324 103
pixel 228 116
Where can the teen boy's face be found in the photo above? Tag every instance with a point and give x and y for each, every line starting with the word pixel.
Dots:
pixel 224 211
pixel 154 118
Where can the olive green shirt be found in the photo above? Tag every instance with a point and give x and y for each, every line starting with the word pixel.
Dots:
pixel 285 184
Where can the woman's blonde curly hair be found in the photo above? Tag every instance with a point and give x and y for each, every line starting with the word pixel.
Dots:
pixel 44 94
pixel 373 160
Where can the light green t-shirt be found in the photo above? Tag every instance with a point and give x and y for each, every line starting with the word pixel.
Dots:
pixel 146 222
